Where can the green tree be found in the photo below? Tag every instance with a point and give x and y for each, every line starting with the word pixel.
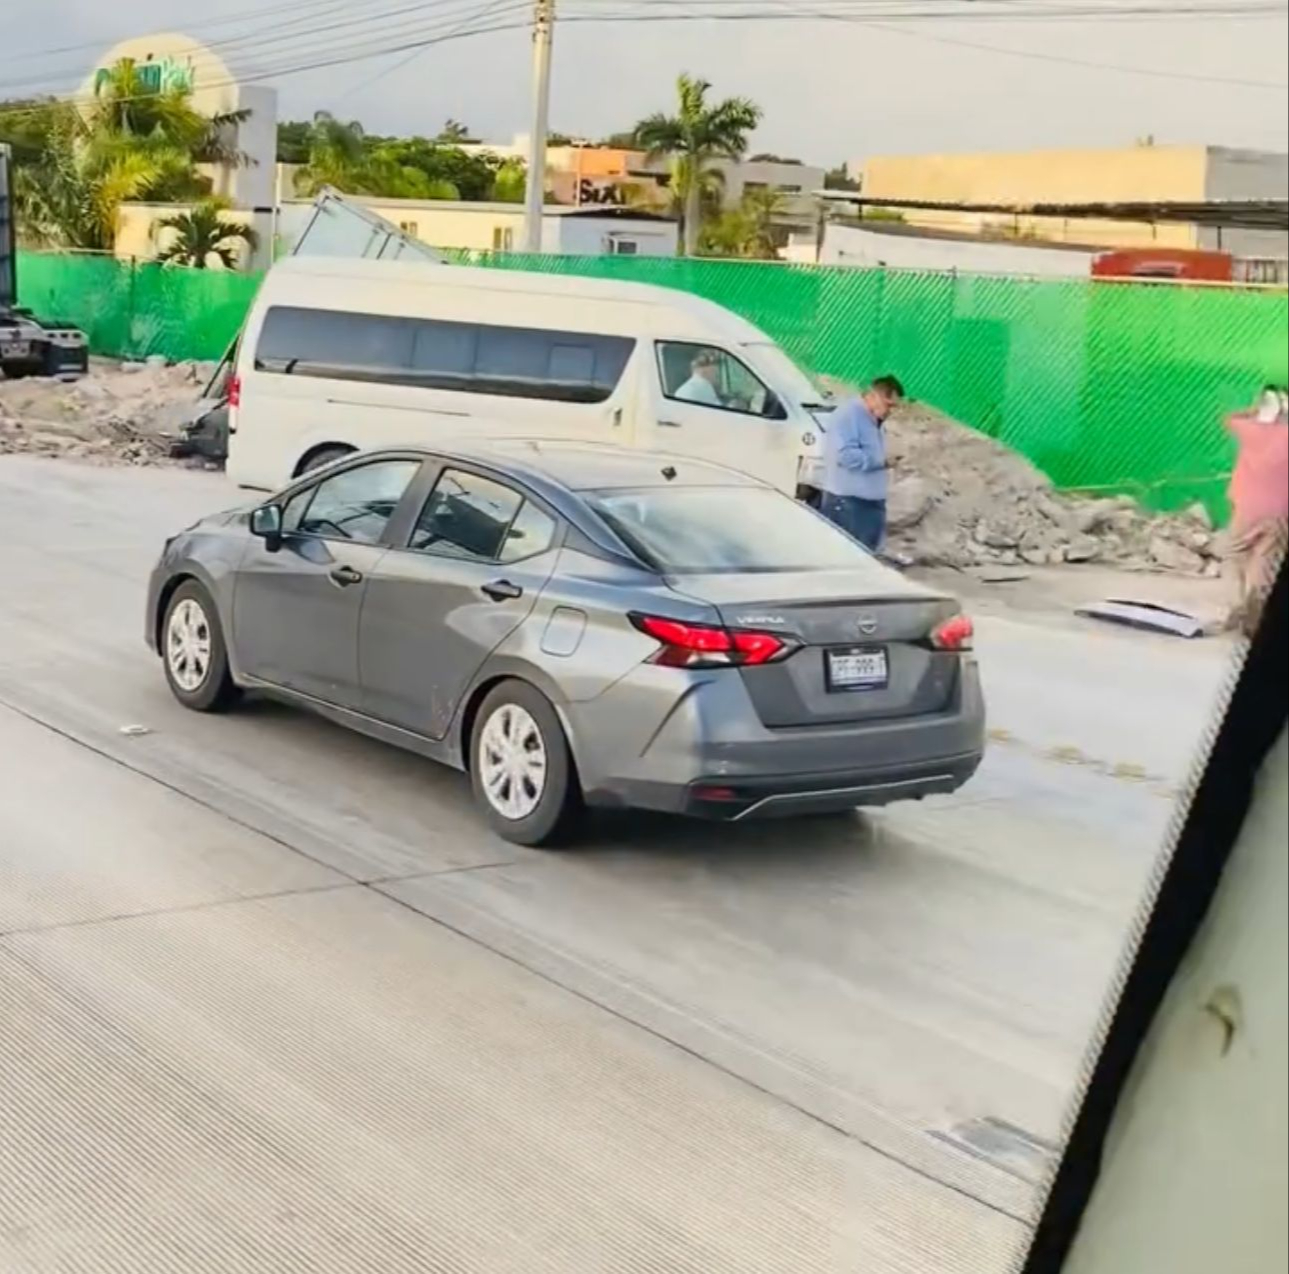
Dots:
pixel 699 132
pixel 132 142
pixel 511 182
pixel 453 131
pixel 293 141
pixel 204 232
pixel 839 178
pixel 763 206
pixel 469 176
pixel 336 156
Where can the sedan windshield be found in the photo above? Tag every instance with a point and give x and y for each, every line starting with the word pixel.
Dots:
pixel 701 530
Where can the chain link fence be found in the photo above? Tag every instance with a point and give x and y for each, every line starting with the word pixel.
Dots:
pixel 1105 386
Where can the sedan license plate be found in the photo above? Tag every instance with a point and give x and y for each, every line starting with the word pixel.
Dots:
pixel 857 668
pixel 15 349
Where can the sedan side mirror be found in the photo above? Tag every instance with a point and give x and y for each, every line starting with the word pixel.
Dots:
pixel 266 522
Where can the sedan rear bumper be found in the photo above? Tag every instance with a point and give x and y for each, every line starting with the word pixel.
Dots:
pixel 780 796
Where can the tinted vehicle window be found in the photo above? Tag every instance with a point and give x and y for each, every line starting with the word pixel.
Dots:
pixel 711 529
pixel 466 516
pixel 322 343
pixel 357 504
pixel 481 358
pixel 531 532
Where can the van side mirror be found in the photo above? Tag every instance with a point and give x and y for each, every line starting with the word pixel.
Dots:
pixel 266 522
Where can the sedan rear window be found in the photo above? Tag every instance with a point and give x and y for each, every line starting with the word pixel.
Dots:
pixel 701 530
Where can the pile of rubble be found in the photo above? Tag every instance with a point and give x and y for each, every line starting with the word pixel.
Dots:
pixel 960 499
pixel 122 413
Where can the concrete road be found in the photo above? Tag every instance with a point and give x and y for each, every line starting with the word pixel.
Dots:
pixel 276 1000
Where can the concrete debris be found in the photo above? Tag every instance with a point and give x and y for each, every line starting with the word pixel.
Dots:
pixel 958 499
pixel 962 500
pixel 121 413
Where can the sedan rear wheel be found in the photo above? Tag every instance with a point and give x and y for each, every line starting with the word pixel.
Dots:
pixel 521 768
pixel 193 651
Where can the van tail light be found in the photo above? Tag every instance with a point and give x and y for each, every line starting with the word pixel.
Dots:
pixel 957 633
pixel 684 645
pixel 235 392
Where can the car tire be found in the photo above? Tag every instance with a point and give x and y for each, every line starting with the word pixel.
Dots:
pixel 321 458
pixel 526 801
pixel 193 651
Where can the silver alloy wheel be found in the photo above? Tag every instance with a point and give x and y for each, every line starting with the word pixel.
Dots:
pixel 188 645
pixel 512 762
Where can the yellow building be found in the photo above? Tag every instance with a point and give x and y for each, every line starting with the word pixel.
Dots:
pixel 1132 174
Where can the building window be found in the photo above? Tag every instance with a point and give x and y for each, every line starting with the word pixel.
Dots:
pixel 410 228
pixel 623 247
pixel 503 239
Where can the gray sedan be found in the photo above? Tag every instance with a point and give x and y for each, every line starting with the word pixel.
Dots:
pixel 576 626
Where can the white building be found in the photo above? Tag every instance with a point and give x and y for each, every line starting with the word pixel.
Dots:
pixel 170 59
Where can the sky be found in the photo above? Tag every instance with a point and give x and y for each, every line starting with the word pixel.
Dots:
pixel 830 91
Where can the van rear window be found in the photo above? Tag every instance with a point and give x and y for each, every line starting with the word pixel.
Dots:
pixel 473 358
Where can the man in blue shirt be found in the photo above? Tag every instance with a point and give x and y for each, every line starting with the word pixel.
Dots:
pixel 854 480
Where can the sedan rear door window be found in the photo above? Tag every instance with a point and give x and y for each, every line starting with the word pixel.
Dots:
pixel 467 516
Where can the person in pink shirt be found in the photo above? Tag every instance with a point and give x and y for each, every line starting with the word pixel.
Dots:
pixel 1259 494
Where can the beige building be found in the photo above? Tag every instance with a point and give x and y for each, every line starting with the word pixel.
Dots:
pixel 438 223
pixel 1131 174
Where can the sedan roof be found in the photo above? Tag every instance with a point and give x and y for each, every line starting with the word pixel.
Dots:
pixel 583 466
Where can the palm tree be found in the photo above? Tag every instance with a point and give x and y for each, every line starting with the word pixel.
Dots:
pixel 202 233
pixel 697 134
pixel 762 205
pixel 337 156
pixel 133 142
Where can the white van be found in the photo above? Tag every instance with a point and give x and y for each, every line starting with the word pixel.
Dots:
pixel 339 355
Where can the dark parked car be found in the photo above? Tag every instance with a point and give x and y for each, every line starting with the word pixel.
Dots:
pixel 576 625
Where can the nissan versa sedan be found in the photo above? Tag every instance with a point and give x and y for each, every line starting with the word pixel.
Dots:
pixel 576 625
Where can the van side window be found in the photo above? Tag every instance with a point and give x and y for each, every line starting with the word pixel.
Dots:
pixel 712 377
pixel 473 358
pixel 323 343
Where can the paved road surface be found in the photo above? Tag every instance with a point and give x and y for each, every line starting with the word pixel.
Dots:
pixel 276 1000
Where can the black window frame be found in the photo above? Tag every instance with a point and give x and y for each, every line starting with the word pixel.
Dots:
pixel 611 356
pixel 780 413
pixel 431 485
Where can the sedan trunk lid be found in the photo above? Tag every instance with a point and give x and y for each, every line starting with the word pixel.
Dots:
pixel 865 650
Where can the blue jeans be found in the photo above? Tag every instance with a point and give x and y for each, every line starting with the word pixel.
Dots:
pixel 863 520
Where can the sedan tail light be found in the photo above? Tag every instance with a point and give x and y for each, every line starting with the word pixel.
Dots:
pixel 957 633
pixel 684 645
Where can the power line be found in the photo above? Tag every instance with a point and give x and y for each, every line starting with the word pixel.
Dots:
pixel 424 17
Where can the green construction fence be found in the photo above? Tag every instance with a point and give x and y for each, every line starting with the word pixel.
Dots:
pixel 1106 386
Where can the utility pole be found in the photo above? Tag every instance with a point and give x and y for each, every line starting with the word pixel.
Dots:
pixel 535 191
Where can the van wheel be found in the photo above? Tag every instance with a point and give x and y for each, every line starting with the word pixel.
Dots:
pixel 521 769
pixel 320 458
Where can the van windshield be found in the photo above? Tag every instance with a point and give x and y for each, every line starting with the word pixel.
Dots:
pixel 787 378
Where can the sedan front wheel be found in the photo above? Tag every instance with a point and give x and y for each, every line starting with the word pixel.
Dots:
pixel 521 769
pixel 193 651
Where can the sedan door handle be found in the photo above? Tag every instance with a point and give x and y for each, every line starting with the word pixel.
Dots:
pixel 669 424
pixel 343 576
pixel 502 590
